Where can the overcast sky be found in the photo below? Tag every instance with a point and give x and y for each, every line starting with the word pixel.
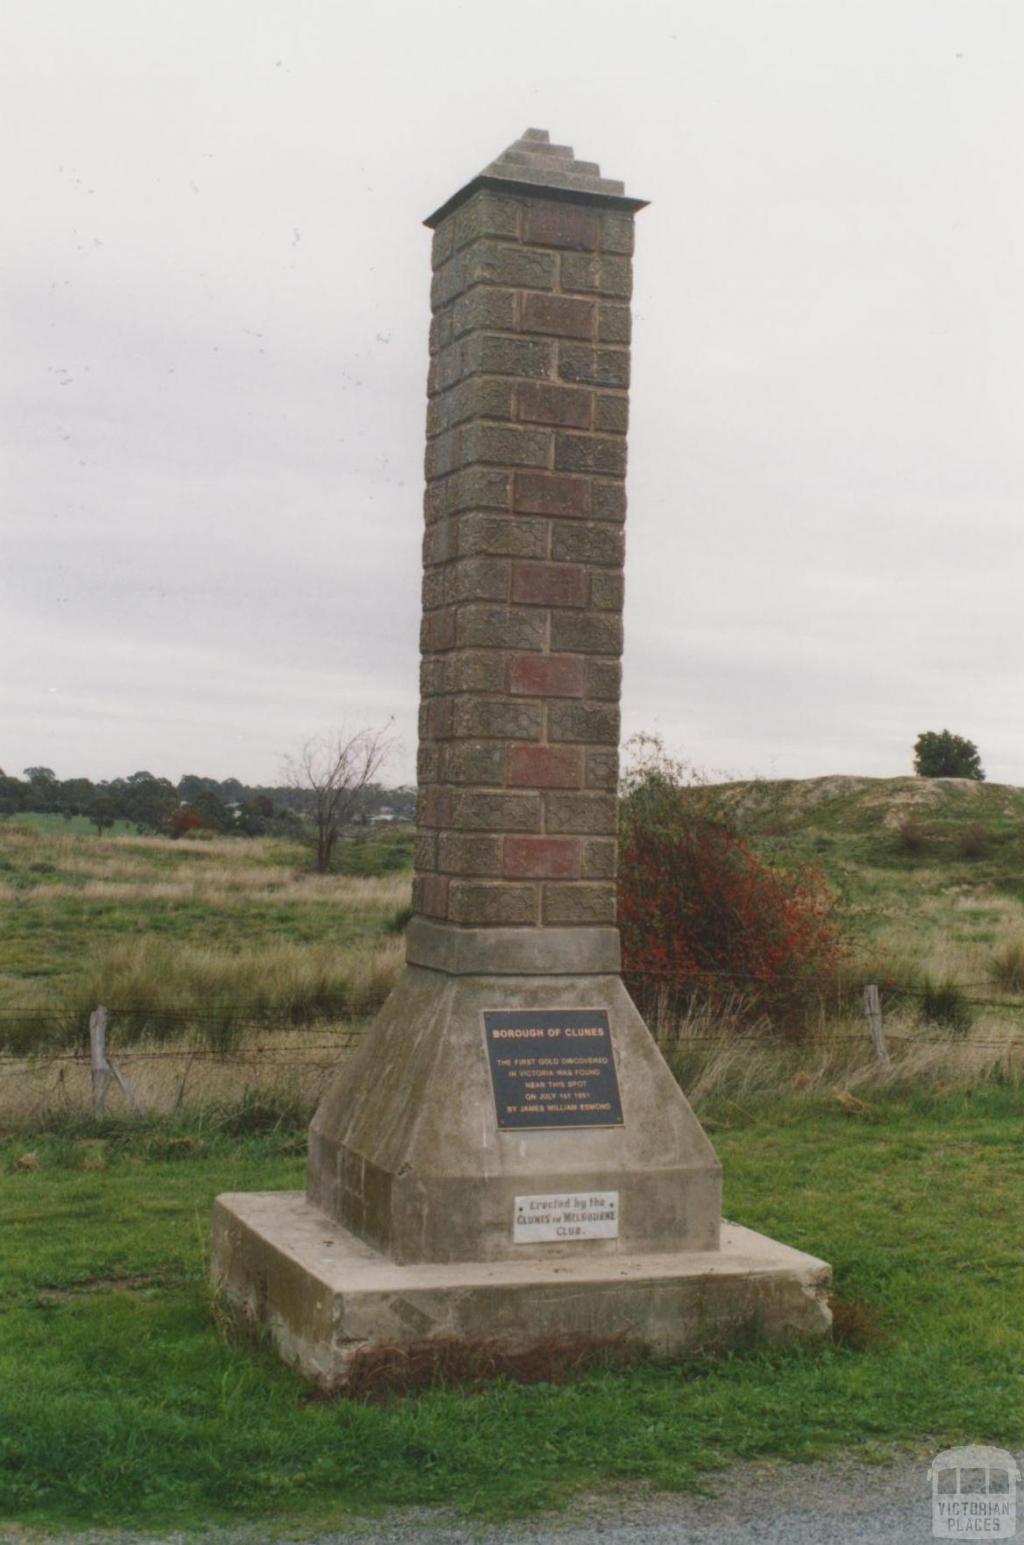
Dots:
pixel 215 349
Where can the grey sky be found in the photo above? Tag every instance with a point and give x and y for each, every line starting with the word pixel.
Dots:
pixel 216 309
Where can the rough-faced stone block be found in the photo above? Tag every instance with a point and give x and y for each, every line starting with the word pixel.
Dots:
pixel 504 263
pixel 472 488
pixel 593 367
pixel 608 501
pixel 500 718
pixel 485 214
pixel 603 678
pixel 606 590
pixel 492 534
pixel 583 814
pixel 494 812
pixel 604 275
pixel 582 542
pixel 579 904
pixel 425 854
pixel 477 579
pixel 616 232
pixel 484 307
pixel 595 724
pixel 499 627
pixel 600 859
pixel 459 853
pixel 602 767
pixel 591 453
pixel 495 904
pixel 477 762
pixel 477 670
pixel 611 414
pixel 614 324
pixel 587 632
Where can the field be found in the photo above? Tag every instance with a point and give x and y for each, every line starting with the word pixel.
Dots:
pixel 124 1402
pixel 237 979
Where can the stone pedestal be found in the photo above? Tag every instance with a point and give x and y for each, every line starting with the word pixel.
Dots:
pixel 509 1156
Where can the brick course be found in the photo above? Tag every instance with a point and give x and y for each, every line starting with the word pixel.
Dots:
pixel 523 552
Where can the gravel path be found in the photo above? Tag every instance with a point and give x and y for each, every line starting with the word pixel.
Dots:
pixel 840 1503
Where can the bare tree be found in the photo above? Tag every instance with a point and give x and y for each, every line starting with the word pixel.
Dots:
pixel 334 771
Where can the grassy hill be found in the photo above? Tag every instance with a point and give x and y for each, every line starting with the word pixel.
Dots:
pixel 929 873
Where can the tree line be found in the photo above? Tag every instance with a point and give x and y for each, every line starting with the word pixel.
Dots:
pixel 195 803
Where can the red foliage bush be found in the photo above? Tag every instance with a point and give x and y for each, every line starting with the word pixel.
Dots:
pixel 703 918
pixel 183 821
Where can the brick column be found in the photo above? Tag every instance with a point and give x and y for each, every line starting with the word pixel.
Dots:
pixel 523 551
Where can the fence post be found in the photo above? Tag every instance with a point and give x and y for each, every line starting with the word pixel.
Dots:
pixel 98 1059
pixel 102 1067
pixel 873 1010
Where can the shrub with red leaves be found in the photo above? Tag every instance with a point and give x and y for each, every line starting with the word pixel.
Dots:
pixel 183 821
pixel 704 920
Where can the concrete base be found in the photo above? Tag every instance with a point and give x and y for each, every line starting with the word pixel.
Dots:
pixel 405 1150
pixel 325 1296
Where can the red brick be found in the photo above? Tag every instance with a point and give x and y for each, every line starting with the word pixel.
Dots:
pixel 568 407
pixel 438 631
pixel 541 858
pixel 557 316
pixel 544 767
pixel 546 675
pixel 547 584
pixel 430 895
pixel 561 225
pixel 546 493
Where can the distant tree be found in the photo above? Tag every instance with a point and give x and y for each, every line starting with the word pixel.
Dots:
pixel 44 787
pixel 333 773
pixel 102 813
pixel 940 754
pixel 149 802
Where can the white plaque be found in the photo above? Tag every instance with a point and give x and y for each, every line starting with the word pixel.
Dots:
pixel 564 1216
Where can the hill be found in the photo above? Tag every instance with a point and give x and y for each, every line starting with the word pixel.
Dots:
pixel 928 872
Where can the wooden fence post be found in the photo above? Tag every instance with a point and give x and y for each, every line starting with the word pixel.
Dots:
pixel 873 1010
pixel 98 1059
pixel 102 1067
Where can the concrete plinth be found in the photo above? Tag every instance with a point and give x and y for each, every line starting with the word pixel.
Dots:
pixel 325 1296
pixel 406 1152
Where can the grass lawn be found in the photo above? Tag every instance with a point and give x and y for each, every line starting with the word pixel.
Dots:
pixel 121 1403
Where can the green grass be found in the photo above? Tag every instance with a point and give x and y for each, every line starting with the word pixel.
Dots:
pixel 121 1404
pixel 126 920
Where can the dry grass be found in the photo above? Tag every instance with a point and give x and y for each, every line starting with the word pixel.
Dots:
pixel 227 887
pixel 176 1076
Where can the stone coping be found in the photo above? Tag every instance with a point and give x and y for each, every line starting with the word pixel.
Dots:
pixel 512 951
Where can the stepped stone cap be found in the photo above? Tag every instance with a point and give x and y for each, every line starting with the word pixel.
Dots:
pixel 533 165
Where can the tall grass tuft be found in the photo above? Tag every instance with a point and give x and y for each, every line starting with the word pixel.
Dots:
pixel 157 989
pixel 1007 966
pixel 945 1004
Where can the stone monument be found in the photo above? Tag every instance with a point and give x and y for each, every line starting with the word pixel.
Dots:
pixel 508 1156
